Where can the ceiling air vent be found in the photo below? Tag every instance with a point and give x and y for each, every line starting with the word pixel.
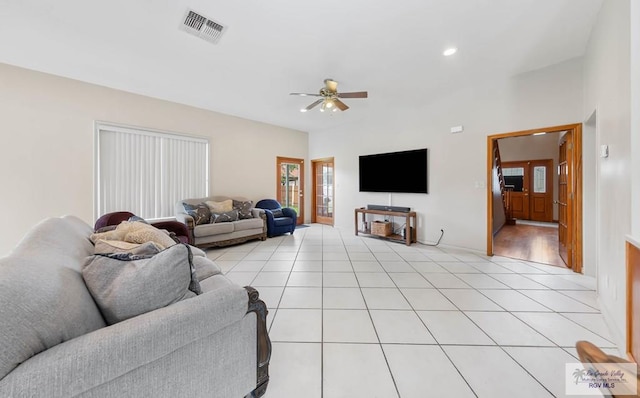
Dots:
pixel 202 27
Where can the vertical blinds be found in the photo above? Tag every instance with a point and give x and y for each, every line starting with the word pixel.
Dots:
pixel 147 172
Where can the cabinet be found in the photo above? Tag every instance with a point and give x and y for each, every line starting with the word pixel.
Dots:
pixel 409 224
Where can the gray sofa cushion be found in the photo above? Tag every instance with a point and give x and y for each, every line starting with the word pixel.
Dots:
pixel 124 289
pixel 205 268
pixel 213 229
pixel 250 223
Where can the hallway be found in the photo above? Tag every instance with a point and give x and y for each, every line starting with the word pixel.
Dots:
pixel 536 242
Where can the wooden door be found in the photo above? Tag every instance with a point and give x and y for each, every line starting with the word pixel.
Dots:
pixel 516 180
pixel 565 194
pixel 541 190
pixel 323 189
pixel 290 184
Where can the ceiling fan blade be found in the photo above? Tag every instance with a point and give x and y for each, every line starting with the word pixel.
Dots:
pixel 355 94
pixel 306 94
pixel 331 85
pixel 316 103
pixel 341 105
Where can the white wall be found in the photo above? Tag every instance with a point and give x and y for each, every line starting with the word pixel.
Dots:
pixel 46 150
pixel 457 162
pixel 634 15
pixel 533 147
pixel 607 89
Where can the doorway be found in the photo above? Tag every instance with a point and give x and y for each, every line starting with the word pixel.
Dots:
pixel 530 183
pixel 573 174
pixel 323 202
pixel 290 184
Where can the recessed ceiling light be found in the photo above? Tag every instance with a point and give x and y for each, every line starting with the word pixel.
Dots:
pixel 449 51
pixel 303 110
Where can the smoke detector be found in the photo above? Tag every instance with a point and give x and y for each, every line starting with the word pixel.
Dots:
pixel 202 27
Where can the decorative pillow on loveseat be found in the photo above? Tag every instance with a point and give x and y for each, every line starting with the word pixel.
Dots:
pixel 228 216
pixel 244 208
pixel 220 207
pixel 200 212
pixel 125 285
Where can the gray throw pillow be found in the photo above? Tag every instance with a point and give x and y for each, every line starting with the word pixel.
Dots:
pixel 277 213
pixel 228 216
pixel 126 285
pixel 244 208
pixel 200 212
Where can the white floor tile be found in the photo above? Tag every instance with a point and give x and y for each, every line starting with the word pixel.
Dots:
pixel 459 267
pixel 301 297
pixel 270 295
pixel 271 279
pixel 453 327
pixel 389 256
pixel 400 327
pixel 521 268
pixel 481 281
pixel 362 256
pixel 258 255
pixel 492 373
pixel 406 279
pixel 516 281
pixel 307 266
pixel 374 279
pixel 305 279
pixel 424 370
pixel 278 266
pixel 446 281
pixel 295 370
pixel 588 297
pixel 427 299
pixel 512 300
pixel 337 266
pixel 546 364
pixel 555 282
pixel 249 265
pixel 491 268
pixel 561 330
pixel 342 298
pixel 384 299
pixel 367 266
pixel 557 302
pixel 470 300
pixel 332 256
pixel 428 267
pixel 241 278
pixel 283 256
pixel 356 370
pixel 348 326
pixel 396 266
pixel 592 322
pixel 506 330
pixel 339 279
pixel 297 325
pixel 441 257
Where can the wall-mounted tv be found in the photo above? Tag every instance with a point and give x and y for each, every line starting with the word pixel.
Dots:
pixel 394 172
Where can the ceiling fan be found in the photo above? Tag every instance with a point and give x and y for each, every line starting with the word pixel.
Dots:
pixel 331 97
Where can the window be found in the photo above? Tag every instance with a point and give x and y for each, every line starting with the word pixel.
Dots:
pixel 146 172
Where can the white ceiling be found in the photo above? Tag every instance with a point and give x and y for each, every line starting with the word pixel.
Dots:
pixel 272 48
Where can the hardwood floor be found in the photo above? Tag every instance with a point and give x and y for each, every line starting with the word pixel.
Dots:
pixel 528 242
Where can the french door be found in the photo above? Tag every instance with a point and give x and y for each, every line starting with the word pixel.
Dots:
pixel 531 186
pixel 564 198
pixel 323 191
pixel 290 184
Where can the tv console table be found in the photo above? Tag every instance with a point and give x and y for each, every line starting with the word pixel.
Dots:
pixel 409 227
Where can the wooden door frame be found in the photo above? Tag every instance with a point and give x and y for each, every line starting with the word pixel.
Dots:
pixel 282 159
pixel 576 182
pixel 314 190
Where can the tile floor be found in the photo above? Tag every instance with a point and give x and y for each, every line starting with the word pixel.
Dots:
pixel 362 317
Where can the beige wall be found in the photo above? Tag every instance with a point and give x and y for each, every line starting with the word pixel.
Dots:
pixel 607 93
pixel 47 145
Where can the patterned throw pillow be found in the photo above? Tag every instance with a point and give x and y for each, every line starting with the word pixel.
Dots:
pixel 228 216
pixel 244 208
pixel 200 212
pixel 220 207
pixel 277 213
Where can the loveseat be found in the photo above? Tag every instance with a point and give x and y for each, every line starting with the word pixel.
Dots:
pixel 250 224
pixel 55 340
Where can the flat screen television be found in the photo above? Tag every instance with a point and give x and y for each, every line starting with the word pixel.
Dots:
pixel 394 172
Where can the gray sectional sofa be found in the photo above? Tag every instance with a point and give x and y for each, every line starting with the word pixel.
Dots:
pixel 55 341
pixel 225 233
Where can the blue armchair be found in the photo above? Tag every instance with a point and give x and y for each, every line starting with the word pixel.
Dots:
pixel 280 220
